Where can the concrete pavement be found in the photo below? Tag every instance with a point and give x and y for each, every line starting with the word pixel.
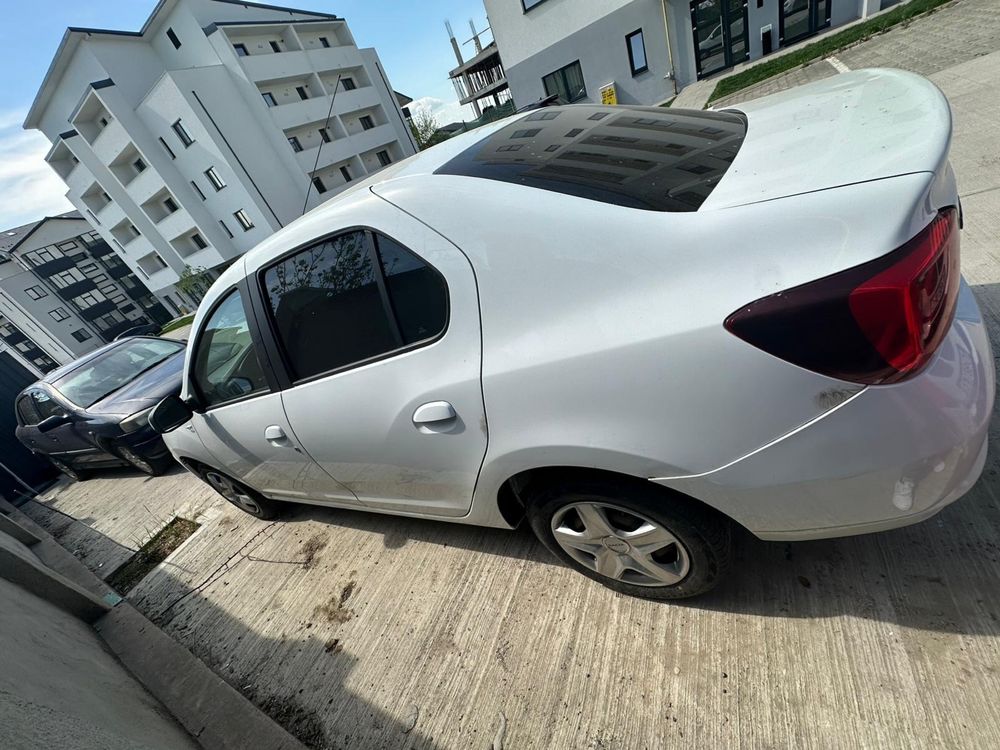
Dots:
pixel 357 630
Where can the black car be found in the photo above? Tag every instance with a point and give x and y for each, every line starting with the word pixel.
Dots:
pixel 93 412
pixel 145 329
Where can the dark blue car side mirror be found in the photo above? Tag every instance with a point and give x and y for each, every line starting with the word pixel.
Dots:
pixel 50 423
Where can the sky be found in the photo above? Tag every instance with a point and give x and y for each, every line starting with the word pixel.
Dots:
pixel 410 38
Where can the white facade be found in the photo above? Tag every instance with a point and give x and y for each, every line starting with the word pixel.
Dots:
pixel 647 49
pixel 188 142
pixel 63 293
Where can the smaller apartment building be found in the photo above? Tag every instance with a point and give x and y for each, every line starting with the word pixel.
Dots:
pixel 64 292
pixel 640 48
pixel 189 141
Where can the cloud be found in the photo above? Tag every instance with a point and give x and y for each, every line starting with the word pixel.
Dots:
pixel 29 189
pixel 444 112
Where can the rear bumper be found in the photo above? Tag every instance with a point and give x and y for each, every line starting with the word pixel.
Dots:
pixel 889 456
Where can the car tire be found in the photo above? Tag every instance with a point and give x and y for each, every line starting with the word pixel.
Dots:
pixel 633 537
pixel 67 470
pixel 152 467
pixel 246 499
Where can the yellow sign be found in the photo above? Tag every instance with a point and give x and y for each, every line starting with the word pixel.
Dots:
pixel 609 95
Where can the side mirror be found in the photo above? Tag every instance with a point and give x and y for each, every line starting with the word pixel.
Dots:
pixel 169 414
pixel 50 423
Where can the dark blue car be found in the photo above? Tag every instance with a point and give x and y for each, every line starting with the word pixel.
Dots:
pixel 93 413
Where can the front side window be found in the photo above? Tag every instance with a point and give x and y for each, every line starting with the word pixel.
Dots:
pixel 26 412
pixel 364 296
pixel 44 405
pixel 225 360
pixel 567 83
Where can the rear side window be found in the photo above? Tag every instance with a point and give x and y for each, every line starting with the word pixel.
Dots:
pixel 26 411
pixel 350 299
pixel 225 360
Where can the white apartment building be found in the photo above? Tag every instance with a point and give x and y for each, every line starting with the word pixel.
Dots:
pixel 64 292
pixel 188 142
pixel 647 50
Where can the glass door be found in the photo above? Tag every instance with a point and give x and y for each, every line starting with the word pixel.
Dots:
pixel 802 18
pixel 720 34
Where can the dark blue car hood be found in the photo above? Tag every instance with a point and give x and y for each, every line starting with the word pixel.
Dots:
pixel 147 390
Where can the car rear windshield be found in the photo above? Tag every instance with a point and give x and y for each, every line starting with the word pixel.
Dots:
pixel 643 157
pixel 105 374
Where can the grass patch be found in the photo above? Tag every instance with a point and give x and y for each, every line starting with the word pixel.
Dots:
pixel 823 48
pixel 173 325
pixel 151 554
pixel 668 102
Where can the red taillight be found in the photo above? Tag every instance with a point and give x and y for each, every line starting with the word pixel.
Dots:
pixel 875 323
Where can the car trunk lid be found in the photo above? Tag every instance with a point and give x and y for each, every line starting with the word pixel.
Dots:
pixel 851 128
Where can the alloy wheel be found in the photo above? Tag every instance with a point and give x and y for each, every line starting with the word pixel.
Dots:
pixel 620 544
pixel 233 492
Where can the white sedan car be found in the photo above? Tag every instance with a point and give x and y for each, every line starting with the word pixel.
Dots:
pixel 632 327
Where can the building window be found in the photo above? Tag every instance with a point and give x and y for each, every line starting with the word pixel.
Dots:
pixel 295 144
pixel 91 214
pixel 182 134
pixel 244 220
pixel 567 83
pixel 214 179
pixel 169 204
pixel 573 133
pixel 553 147
pixel 197 189
pixel 173 39
pixel 325 135
pixel 510 147
pixel 275 47
pixel 170 151
pixel 36 292
pixel 241 50
pixel 636 52
pixel 80 335
pixel 383 158
pixel 301 91
pixel 134 231
pixel 324 41
pixel 346 174
pixel 103 120
pixel 199 241
pixel 529 4
pixel 348 84
pixel 366 122
pixel 269 99
pixel 59 314
pixel 530 133
pixel 140 165
pixel 226 229
pixel 318 184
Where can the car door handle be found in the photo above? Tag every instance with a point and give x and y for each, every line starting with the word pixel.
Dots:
pixel 434 411
pixel 275 434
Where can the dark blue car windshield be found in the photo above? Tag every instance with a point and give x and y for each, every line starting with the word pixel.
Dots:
pixel 105 374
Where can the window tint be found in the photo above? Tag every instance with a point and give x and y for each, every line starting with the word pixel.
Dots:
pixel 417 292
pixel 225 361
pixel 26 411
pixel 334 293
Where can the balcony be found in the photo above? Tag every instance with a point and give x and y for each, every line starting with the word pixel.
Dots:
pixel 101 249
pixel 360 98
pixel 118 271
pixel 76 289
pixel 96 311
pixel 144 185
pixel 54 266
pixel 110 142
pixel 299 63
